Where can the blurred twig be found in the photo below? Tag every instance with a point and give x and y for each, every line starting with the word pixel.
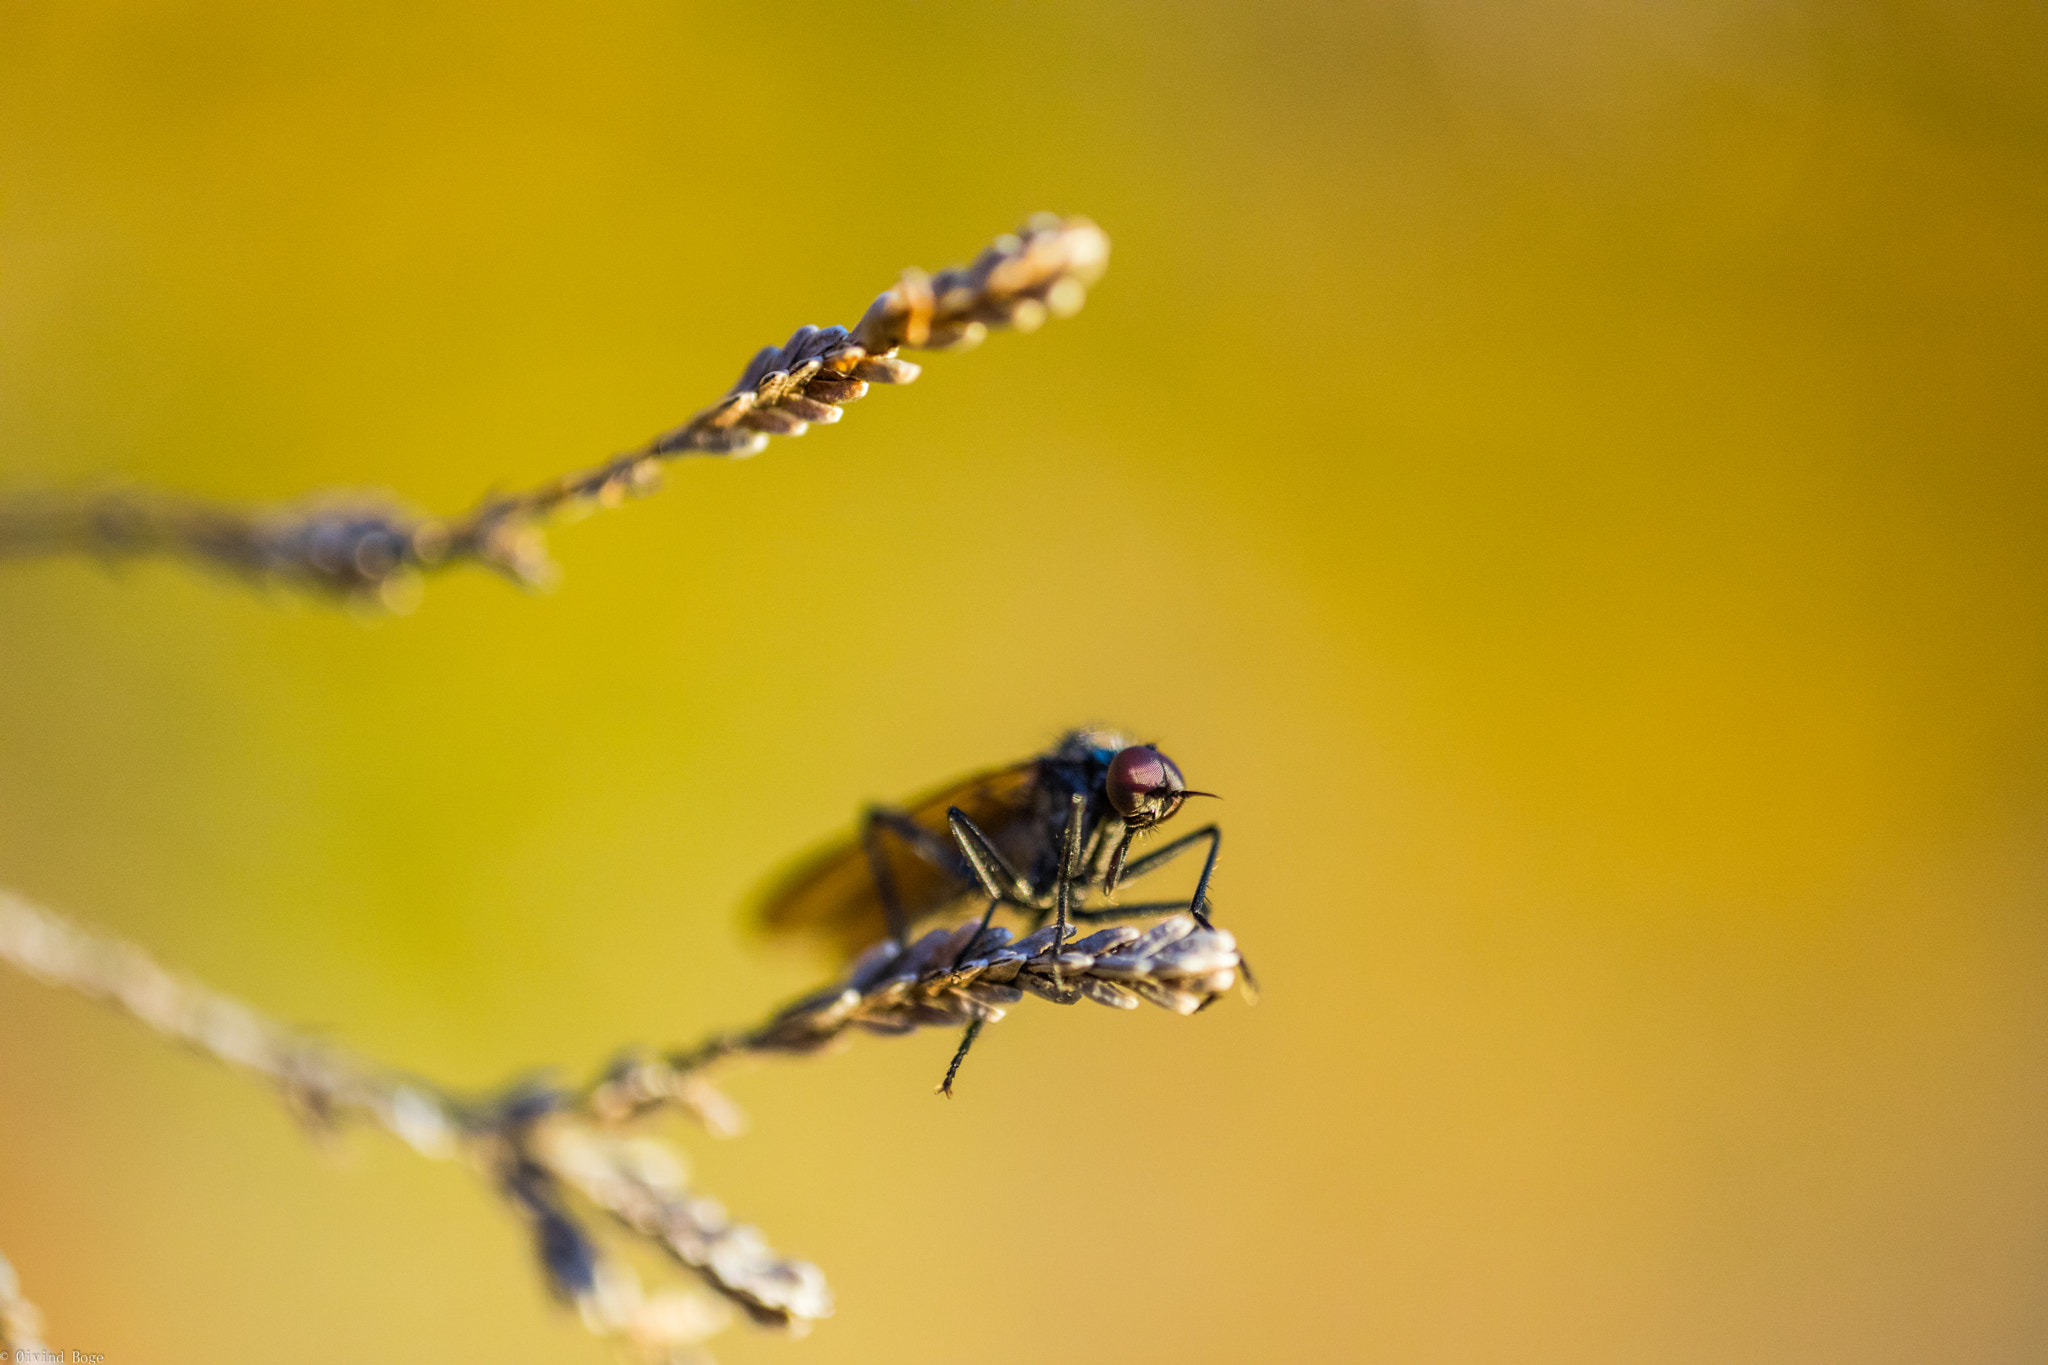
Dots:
pixel 375 549
pixel 547 1159
pixel 557 1155
pixel 21 1326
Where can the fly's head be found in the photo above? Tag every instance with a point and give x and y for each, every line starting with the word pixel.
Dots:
pixel 1145 788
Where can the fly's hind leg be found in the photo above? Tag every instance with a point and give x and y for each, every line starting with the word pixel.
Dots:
pixel 991 870
pixel 922 842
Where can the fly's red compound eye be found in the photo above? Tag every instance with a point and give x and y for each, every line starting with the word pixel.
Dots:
pixel 1140 780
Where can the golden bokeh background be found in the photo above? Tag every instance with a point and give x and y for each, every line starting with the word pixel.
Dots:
pixel 1571 475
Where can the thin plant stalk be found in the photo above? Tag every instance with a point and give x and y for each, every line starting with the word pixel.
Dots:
pixel 373 549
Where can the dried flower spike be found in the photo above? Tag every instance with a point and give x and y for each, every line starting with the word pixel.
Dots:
pixel 949 977
pixel 557 1157
pixel 370 548
pixel 546 1153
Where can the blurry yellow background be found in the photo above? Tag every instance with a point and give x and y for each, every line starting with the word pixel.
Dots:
pixel 1571 475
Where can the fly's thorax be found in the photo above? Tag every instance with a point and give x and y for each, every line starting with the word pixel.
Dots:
pixel 1092 745
pixel 1062 777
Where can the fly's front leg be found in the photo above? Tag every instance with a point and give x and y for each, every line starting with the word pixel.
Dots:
pixel 1198 904
pixel 1109 914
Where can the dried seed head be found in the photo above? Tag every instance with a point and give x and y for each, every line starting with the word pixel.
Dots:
pixel 635 1182
pixel 1042 270
pixel 547 1151
pixel 954 975
pixel 371 551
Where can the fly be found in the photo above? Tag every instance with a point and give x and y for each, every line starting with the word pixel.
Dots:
pixel 1050 838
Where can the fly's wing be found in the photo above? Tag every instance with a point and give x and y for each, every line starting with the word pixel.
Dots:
pixel 829 895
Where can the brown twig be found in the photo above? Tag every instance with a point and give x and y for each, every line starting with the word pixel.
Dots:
pixel 556 1155
pixel 372 548
pixel 544 1156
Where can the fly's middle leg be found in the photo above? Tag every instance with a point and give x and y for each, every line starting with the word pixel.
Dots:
pixel 1073 848
pixel 959 1056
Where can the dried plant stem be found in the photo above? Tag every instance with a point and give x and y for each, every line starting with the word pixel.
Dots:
pixel 545 1157
pixel 21 1326
pixel 322 1084
pixel 374 549
pixel 556 1155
